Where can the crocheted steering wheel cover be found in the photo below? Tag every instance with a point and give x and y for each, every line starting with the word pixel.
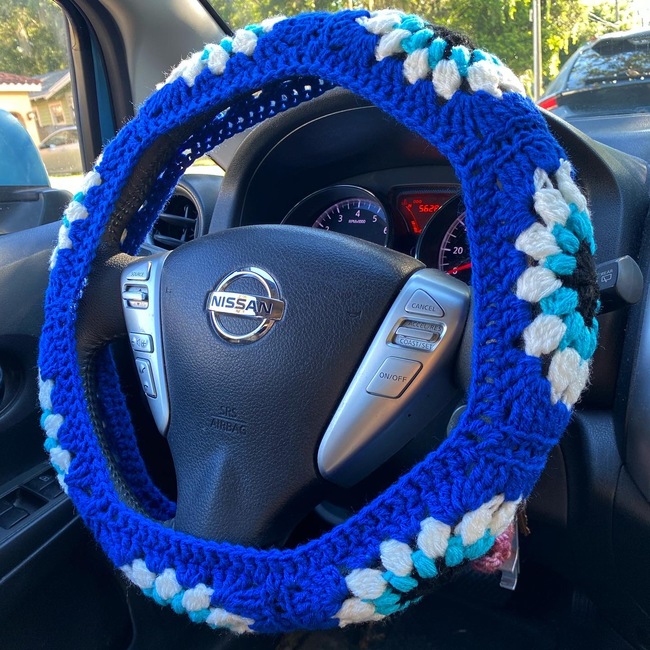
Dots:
pixel 534 298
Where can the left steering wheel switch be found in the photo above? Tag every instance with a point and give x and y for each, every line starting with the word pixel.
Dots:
pixel 141 304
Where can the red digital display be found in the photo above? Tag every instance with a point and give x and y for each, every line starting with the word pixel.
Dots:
pixel 418 207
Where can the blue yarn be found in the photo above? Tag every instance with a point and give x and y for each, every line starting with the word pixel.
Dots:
pixel 46 414
pixel 425 566
pixel 304 588
pixel 437 51
pixel 455 553
pixel 226 44
pixel 199 616
pixel 417 41
pixel 561 264
pixel 79 197
pixel 461 55
pixel 480 547
pixel 579 223
pixel 49 444
pixel 412 23
pixel 561 302
pixel 566 240
pixel 401 583
pixel 580 337
pixel 177 603
pixel 387 603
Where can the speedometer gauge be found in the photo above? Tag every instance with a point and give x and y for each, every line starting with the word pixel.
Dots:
pixel 346 209
pixel 454 251
pixel 363 218
pixel 443 243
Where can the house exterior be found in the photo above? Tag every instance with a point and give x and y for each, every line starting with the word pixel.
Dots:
pixel 15 99
pixel 53 102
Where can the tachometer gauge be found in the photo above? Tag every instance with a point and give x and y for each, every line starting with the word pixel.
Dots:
pixel 362 218
pixel 346 209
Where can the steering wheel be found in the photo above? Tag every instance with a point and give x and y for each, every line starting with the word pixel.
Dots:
pixel 278 360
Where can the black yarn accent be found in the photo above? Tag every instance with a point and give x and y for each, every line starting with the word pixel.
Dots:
pixel 584 281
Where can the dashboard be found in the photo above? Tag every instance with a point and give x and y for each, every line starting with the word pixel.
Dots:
pixel 425 221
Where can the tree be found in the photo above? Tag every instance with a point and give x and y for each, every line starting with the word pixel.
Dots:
pixel 32 37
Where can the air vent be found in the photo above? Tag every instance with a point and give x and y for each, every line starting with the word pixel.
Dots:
pixel 176 223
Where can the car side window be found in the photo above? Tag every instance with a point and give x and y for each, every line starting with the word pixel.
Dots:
pixel 36 86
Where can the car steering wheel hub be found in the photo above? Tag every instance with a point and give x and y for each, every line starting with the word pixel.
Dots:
pixel 264 307
pixel 323 397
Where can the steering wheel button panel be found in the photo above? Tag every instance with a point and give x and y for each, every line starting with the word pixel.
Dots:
pixel 146 377
pixel 394 377
pixel 143 325
pixel 422 303
pixel 141 342
pixel 367 428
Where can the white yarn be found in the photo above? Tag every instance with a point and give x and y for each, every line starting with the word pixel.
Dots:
pixel 267 25
pixel 217 60
pixel 382 21
pixel 567 186
pixel 178 70
pixel 509 81
pixel 503 517
pixel 568 374
pixel 244 41
pixel 64 238
pixel 61 482
pixel 197 598
pixel 194 66
pixel 484 75
pixel 446 78
pixel 52 423
pixel 166 584
pixel 91 179
pixel 139 574
pixel 391 43
pixel 45 393
pixel 396 557
pixel 474 524
pixel 535 283
pixel 551 206
pixel 366 583
pixel 61 458
pixel 541 180
pixel 416 65
pixel 538 242
pixel 75 211
pixel 543 335
pixel 355 610
pixel 433 538
pixel 221 618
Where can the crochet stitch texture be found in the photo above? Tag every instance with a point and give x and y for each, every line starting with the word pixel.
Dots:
pixel 535 301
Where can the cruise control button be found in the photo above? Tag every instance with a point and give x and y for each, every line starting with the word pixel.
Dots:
pixel 394 377
pixel 141 342
pixel 429 326
pixel 422 303
pixel 415 344
pixel 414 333
pixel 146 377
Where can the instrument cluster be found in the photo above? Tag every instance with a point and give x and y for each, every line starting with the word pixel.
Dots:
pixel 426 221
